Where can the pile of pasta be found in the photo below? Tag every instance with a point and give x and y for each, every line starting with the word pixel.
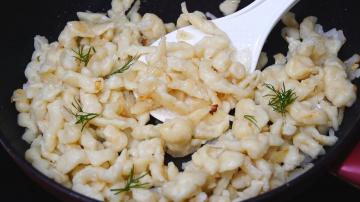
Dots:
pixel 233 158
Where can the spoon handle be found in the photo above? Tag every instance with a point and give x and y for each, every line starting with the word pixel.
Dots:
pixel 249 27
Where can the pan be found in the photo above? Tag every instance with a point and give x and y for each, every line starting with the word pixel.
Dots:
pixel 23 20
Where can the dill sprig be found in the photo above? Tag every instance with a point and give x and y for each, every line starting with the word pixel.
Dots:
pixel 84 56
pixel 132 182
pixel 82 117
pixel 125 67
pixel 280 99
pixel 251 119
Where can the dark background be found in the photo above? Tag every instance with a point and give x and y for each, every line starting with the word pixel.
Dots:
pixel 22 20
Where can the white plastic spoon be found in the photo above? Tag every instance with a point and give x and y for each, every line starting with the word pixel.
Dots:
pixel 247 29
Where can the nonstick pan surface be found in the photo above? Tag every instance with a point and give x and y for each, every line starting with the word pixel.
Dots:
pixel 22 20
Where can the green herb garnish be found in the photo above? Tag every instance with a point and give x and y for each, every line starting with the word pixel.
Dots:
pixel 132 183
pixel 125 67
pixel 82 117
pixel 280 99
pixel 84 56
pixel 251 119
pixel 38 58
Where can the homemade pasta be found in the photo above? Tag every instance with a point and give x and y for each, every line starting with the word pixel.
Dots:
pixel 87 102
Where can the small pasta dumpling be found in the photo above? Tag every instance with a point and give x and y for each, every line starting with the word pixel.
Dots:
pixel 66 39
pixel 222 60
pixel 103 60
pixel 111 197
pixel 80 29
pixel 144 195
pixel 181 50
pixel 332 113
pixel 147 150
pixel 120 6
pixel 237 70
pixel 198 19
pixel 200 197
pixel 115 105
pixel 172 171
pixel 307 144
pixel 249 118
pixel 25 120
pixel 158 57
pixel 336 81
pixel 222 184
pixel 300 67
pixel 267 170
pixel 98 157
pixel 212 126
pixel 170 101
pixel 176 131
pixel 191 88
pixel 307 27
pixel 305 114
pixel 92 17
pixel 255 146
pixel 219 198
pixel 230 160
pixel 177 134
pixel 184 186
pixel 70 159
pixel 55 123
pixel 152 27
pixel 250 169
pixel 253 190
pixel 280 176
pixel 307 87
pixel 68 61
pixel 69 134
pixel 88 140
pixel 104 29
pixel 228 7
pixel 186 67
pixel 146 132
pixel 289 127
pixel 82 182
pixel 115 139
pixel 88 84
pixel 275 138
pixel 322 139
pixel 290 32
pixel 274 73
pixel 208 47
pixel 293 158
pixel 218 83
pixel 206 158
pixel 289 20
pixel 90 103
pixel 22 103
pixel 240 180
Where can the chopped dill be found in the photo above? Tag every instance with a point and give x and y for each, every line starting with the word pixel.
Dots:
pixel 84 56
pixel 280 99
pixel 251 119
pixel 125 67
pixel 132 182
pixel 82 117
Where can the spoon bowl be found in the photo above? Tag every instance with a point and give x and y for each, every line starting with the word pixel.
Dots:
pixel 247 30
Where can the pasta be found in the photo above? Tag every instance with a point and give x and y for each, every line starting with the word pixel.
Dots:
pixel 228 7
pixel 87 102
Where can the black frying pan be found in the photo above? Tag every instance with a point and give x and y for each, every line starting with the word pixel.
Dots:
pixel 22 20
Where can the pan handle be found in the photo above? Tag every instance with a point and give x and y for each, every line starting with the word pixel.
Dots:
pixel 350 168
